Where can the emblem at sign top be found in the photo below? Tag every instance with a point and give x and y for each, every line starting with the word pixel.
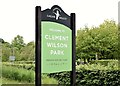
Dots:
pixel 56 14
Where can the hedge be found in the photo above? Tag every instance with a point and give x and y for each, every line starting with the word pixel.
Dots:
pixel 104 62
pixel 24 66
pixel 90 77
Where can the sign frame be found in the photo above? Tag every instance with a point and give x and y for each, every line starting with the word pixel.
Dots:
pixel 38 19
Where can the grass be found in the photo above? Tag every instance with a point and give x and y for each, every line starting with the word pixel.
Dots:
pixel 14 75
pixel 9 81
pixel 44 81
pixel 47 80
pixel 20 75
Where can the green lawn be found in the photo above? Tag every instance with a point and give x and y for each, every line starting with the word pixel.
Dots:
pixel 8 81
pixel 45 81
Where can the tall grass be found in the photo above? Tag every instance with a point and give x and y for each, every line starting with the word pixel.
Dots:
pixel 24 76
pixel 18 74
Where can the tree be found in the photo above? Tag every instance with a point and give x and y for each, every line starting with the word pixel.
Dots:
pixel 6 51
pixel 1 40
pixel 27 52
pixel 18 42
pixel 100 42
pixel 18 49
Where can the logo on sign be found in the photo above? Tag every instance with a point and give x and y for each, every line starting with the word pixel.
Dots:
pixel 57 14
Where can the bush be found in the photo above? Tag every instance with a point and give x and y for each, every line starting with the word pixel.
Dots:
pixel 110 66
pixel 98 77
pixel 104 62
pixel 24 66
pixel 24 62
pixel 90 77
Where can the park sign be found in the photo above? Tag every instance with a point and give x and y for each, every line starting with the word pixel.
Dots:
pixel 55 41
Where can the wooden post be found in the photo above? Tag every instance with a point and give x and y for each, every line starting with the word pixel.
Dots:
pixel 38 46
pixel 73 72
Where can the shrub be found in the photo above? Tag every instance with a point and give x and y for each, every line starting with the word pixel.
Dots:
pixel 110 66
pixel 104 62
pixel 24 62
pixel 90 77
pixel 24 66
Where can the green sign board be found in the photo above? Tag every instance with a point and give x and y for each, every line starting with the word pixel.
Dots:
pixel 54 43
pixel 56 47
